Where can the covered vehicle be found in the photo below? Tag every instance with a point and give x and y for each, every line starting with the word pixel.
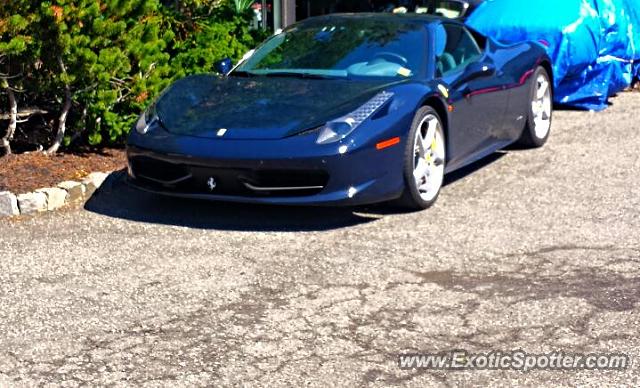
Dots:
pixel 345 110
pixel 594 44
pixel 632 9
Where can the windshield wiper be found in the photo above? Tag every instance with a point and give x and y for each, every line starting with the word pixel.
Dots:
pixel 293 74
pixel 242 73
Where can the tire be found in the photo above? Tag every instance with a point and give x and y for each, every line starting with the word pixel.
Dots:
pixel 417 157
pixel 539 117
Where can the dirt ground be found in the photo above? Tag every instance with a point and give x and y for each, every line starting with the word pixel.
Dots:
pixel 27 172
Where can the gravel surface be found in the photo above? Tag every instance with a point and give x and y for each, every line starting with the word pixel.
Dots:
pixel 534 250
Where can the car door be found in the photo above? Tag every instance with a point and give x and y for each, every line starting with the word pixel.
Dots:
pixel 477 93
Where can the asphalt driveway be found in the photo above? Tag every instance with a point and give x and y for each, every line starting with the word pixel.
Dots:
pixel 533 250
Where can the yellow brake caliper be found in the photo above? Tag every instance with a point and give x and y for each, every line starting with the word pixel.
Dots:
pixel 433 147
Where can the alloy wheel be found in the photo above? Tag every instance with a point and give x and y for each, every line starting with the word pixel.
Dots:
pixel 429 158
pixel 541 107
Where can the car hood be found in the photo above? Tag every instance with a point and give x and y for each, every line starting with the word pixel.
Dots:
pixel 258 107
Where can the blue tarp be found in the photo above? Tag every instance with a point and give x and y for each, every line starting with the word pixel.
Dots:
pixel 594 44
pixel 633 10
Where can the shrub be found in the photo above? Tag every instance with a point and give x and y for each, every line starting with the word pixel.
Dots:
pixel 100 62
pixel 18 49
pixel 242 6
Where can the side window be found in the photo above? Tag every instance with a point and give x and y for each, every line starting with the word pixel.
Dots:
pixel 455 49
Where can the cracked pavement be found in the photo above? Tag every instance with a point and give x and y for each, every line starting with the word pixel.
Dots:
pixel 533 250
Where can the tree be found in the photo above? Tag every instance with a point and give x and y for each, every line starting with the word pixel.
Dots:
pixel 99 63
pixel 103 55
pixel 17 49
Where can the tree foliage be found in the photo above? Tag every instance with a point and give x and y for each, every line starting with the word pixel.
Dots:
pixel 18 49
pixel 98 63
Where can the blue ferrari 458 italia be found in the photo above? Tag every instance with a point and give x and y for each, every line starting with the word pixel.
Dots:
pixel 344 110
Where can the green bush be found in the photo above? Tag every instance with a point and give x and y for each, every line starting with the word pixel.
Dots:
pixel 103 61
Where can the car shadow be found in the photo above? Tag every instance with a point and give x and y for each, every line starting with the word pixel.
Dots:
pixel 449 179
pixel 473 167
pixel 117 199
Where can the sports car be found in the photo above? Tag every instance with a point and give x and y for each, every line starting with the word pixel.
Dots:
pixel 346 109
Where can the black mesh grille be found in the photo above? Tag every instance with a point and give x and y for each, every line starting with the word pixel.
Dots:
pixel 157 170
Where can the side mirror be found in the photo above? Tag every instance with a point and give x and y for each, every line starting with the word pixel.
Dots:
pixel 478 70
pixel 224 66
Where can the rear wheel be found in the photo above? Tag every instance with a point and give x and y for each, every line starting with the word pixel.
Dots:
pixel 424 160
pixel 538 127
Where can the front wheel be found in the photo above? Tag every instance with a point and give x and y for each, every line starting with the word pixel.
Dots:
pixel 540 111
pixel 424 160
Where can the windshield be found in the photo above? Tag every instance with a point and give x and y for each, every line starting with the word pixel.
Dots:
pixel 343 48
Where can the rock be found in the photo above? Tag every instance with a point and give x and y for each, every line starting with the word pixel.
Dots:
pixel 55 197
pixel 8 204
pixel 75 190
pixel 93 182
pixel 32 203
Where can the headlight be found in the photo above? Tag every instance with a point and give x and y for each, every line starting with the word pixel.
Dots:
pixel 147 118
pixel 338 129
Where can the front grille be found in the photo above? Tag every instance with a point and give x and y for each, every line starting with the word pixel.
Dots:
pixel 247 182
pixel 159 171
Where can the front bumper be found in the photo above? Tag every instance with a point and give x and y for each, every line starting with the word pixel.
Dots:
pixel 291 171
